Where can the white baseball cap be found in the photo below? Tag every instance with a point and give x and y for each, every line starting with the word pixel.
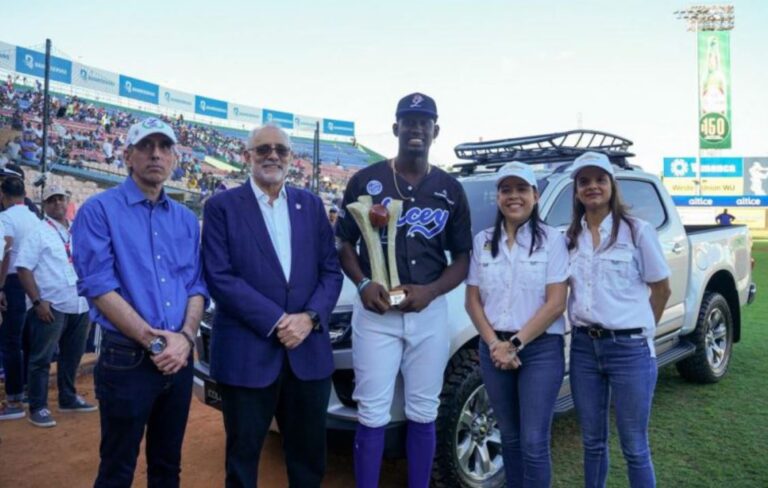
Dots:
pixel 591 158
pixel 149 126
pixel 52 190
pixel 518 169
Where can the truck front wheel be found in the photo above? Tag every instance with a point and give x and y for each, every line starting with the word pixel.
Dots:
pixel 713 339
pixel 468 439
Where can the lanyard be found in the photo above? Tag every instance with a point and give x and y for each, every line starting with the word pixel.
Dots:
pixel 63 240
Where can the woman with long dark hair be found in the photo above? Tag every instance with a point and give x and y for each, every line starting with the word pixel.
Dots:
pixel 619 287
pixel 516 293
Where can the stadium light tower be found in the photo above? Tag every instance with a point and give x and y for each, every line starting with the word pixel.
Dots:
pixel 698 18
pixel 715 17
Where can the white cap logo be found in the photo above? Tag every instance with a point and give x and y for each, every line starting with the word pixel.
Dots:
pixel 416 101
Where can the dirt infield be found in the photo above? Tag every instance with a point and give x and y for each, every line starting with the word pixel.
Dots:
pixel 67 455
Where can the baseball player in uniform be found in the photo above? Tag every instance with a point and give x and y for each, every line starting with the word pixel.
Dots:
pixel 411 338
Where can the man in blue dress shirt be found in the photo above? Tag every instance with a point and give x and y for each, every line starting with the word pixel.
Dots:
pixel 136 253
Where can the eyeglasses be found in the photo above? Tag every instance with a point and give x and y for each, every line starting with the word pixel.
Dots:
pixel 266 149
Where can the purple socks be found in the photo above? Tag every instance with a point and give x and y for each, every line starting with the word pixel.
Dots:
pixel 420 448
pixel 368 452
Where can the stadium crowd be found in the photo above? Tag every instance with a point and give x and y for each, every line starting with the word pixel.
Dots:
pixel 88 135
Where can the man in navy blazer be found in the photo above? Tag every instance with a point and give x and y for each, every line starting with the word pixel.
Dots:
pixel 272 268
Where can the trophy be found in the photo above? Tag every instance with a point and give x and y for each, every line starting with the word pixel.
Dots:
pixel 370 218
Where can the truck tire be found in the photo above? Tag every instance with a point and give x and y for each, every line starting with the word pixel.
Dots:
pixel 713 339
pixel 468 451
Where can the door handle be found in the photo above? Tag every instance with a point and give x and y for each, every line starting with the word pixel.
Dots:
pixel 678 248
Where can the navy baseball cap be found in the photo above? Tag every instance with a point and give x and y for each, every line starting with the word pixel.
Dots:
pixel 416 104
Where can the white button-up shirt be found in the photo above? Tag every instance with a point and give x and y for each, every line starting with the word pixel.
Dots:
pixel 44 253
pixel 278 224
pixel 513 284
pixel 18 221
pixel 609 284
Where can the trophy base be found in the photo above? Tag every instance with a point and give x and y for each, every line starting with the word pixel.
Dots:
pixel 396 297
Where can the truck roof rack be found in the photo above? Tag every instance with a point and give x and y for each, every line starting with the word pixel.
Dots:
pixel 541 149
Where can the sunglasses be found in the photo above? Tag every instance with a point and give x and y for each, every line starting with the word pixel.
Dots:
pixel 266 150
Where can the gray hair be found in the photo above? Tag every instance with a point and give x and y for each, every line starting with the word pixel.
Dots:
pixel 256 131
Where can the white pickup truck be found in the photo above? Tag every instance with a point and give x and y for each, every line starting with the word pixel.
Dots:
pixel 711 280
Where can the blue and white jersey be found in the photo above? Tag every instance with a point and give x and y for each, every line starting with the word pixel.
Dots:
pixel 435 219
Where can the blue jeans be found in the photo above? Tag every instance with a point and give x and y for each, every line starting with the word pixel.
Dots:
pixel 11 333
pixel 620 367
pixel 523 402
pixel 133 395
pixel 69 332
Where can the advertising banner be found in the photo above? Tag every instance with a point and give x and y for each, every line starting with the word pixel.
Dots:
pixel 756 176
pixel 685 167
pixel 177 100
pixel 7 56
pixel 33 63
pixel 210 107
pixel 715 123
pixel 709 186
pixel 140 90
pixel 720 201
pixel 95 79
pixel 338 127
pixel 284 120
pixel 244 113
pixel 305 123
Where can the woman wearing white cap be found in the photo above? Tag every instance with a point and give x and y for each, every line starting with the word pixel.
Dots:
pixel 516 293
pixel 619 286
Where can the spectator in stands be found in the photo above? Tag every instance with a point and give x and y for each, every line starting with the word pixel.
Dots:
pixel 333 215
pixel 28 149
pixel 50 154
pixel 108 149
pixel 17 122
pixel 136 252
pixel 13 149
pixel 17 222
pixel 80 161
pixel 58 317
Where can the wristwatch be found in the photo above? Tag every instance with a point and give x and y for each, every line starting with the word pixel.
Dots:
pixel 314 318
pixel 36 302
pixel 157 345
pixel 517 343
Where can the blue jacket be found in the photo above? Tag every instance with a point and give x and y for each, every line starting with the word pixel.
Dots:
pixel 251 293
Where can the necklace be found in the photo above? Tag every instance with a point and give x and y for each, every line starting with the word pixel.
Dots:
pixel 397 187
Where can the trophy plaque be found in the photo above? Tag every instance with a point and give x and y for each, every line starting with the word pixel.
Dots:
pixel 370 218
